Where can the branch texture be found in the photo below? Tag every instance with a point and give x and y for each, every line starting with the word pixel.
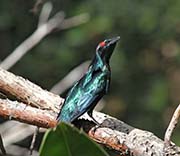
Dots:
pixel 40 107
pixel 27 114
pixel 28 92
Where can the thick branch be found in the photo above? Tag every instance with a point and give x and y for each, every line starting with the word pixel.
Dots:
pixel 121 137
pixel 27 114
pixel 28 92
pixel 112 132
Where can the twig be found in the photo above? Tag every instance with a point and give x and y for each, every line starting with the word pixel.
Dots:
pixel 22 131
pixel 172 125
pixel 74 21
pixel 45 13
pixel 44 28
pixel 33 140
pixel 31 41
pixel 168 145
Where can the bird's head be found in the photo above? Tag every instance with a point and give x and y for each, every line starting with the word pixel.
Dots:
pixel 106 47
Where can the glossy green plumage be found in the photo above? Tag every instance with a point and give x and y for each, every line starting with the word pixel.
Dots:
pixel 85 94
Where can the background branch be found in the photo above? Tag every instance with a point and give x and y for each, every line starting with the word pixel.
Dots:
pixel 73 76
pixel 45 27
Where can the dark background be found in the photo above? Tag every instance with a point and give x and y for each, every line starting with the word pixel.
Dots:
pixel 145 87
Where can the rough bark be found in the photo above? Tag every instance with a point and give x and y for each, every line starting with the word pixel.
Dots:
pixel 28 92
pixel 39 107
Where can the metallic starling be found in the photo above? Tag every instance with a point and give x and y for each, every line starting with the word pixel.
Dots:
pixel 86 93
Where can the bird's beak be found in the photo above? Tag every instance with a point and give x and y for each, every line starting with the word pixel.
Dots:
pixel 110 47
pixel 114 40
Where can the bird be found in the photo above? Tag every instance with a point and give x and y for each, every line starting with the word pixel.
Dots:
pixel 85 93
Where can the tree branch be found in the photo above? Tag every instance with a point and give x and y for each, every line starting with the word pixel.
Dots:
pixel 112 132
pixel 27 114
pixel 45 27
pixel 168 145
pixel 172 125
pixel 28 92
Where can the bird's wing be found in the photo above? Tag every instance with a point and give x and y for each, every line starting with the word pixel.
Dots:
pixel 82 105
pixel 76 105
pixel 89 96
pixel 82 96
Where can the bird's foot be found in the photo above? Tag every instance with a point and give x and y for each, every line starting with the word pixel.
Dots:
pixel 95 121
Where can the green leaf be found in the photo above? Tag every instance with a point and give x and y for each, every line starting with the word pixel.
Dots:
pixel 67 140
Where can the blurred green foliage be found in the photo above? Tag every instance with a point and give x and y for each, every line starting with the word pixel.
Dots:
pixel 145 84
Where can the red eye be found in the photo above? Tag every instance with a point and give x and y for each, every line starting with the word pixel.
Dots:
pixel 102 44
